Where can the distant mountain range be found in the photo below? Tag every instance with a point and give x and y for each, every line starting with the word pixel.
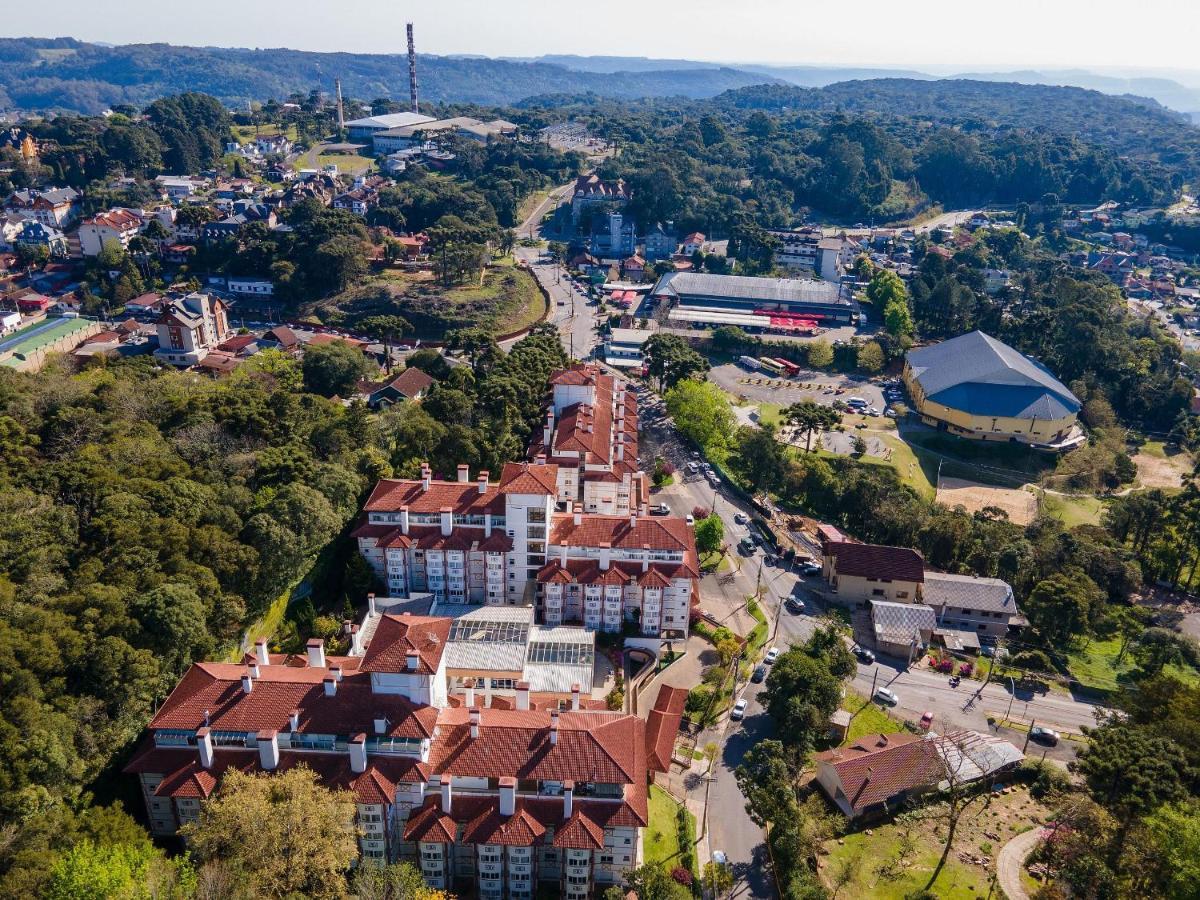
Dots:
pixel 64 74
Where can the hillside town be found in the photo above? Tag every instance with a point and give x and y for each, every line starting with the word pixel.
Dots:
pixel 406 498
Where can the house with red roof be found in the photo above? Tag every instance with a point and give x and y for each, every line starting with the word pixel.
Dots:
pixel 860 573
pixel 117 225
pixel 488 798
pixel 878 773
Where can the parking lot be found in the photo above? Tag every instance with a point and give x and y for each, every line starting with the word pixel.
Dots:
pixel 820 387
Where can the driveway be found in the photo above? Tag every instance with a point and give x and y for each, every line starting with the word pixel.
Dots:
pixel 1011 860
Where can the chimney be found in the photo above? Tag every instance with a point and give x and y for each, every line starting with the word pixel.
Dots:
pixel 605 555
pixel 426 476
pixel 522 695
pixel 508 795
pixel 381 725
pixel 568 799
pixel 554 726
pixel 253 667
pixel 575 689
pixel 548 431
pixel 464 473
pixel 268 749
pixel 247 681
pixel 371 604
pixel 205 745
pixel 404 519
pixel 358 752
pixel 294 720
pixel 330 684
pixel 412 661
pixel 316 653
pixel 633 519
pixel 645 557
pixel 469 689
pixel 260 652
pixel 447 792
pixel 347 627
pixel 483 481
pixel 355 640
pixel 447 521
pixel 577 514
pixel 474 718
pixel 336 672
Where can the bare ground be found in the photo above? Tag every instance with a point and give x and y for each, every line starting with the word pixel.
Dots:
pixel 1160 472
pixel 1020 505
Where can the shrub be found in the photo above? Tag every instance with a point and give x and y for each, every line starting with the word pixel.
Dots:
pixel 701 512
pixel 1032 659
pixel 615 698
pixel 965 669
pixel 682 875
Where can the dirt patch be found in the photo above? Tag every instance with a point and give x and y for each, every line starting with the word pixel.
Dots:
pixel 1021 505
pixel 1162 472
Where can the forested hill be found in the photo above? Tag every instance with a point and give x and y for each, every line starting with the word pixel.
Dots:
pixel 65 74
pixel 1129 125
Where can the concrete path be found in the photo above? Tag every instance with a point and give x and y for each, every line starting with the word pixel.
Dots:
pixel 1011 860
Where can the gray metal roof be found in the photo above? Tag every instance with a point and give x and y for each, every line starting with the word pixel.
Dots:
pixel 687 285
pixel 969 592
pixel 390 120
pixel 902 623
pixel 980 375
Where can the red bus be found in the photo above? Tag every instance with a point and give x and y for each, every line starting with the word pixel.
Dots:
pixel 790 368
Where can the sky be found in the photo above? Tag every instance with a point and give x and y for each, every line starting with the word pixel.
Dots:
pixel 927 34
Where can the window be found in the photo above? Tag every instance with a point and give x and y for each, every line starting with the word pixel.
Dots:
pixel 877 592
pixel 901 594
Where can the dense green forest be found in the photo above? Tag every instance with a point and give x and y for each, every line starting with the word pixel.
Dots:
pixel 147 517
pixel 65 74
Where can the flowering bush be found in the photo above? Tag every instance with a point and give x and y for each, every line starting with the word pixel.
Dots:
pixel 965 669
pixel 944 665
pixel 682 875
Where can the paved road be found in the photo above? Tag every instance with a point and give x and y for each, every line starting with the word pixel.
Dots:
pixel 950 218
pixel 1010 861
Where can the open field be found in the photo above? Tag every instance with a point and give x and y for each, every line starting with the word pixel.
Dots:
pixel 1096 666
pixel 662 833
pixel 507 300
pixel 1020 504
pixel 347 164
pixel 1073 510
pixel 244 134
pixel 868 718
pixel 1160 467
pixel 897 858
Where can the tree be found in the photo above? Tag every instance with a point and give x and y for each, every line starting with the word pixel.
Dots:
pixel 765 780
pixel 91 872
pixel 702 413
pixel 870 357
pixel 1131 771
pixel 810 417
pixel 710 532
pixel 334 369
pixel 801 694
pixel 718 878
pixel 670 360
pixel 386 329
pixel 1061 606
pixel 1157 648
pixel 959 791
pixel 1174 832
pixel 292 835
pixel 890 297
pixel 654 882
pixel 396 881
pixel 820 354
pixel 759 457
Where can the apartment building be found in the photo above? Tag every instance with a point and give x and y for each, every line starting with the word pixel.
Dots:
pixel 478 542
pixel 115 225
pixel 53 207
pixel 189 327
pixel 499 800
pixel 591 436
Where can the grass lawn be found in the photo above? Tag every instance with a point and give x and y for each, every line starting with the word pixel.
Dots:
pixel 1095 666
pixel 346 163
pixel 1072 511
pixel 715 561
pixel 973 459
pixel 662 834
pixel 244 134
pixel 898 857
pixel 868 718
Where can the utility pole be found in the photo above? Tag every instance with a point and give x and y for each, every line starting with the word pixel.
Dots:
pixel 874 678
pixel 1024 746
pixel 1012 685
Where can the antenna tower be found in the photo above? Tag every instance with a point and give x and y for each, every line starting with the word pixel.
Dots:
pixel 412 70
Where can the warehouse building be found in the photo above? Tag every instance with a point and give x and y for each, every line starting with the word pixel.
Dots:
pixel 755 304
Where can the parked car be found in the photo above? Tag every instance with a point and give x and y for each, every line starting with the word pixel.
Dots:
pixel 794 605
pixel 760 674
pixel 864 655
pixel 740 519
pixel 746 547
pixel 770 559
pixel 809 567
pixel 772 655
pixel 887 696
pixel 1044 735
pixel 691 520
pixel 926 721
pixel 660 509
pixel 693 468
pixel 739 710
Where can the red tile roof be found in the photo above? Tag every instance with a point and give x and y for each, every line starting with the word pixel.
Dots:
pixel 879 767
pixel 430 824
pixel 527 478
pixel 660 533
pixel 215 690
pixel 876 561
pixel 521 829
pixel 398 636
pixel 580 833
pixel 662 725
pixel 592 746
pixel 411 382
pixel 463 498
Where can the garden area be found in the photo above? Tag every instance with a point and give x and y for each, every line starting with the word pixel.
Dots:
pixel 670 836
pixel 893 860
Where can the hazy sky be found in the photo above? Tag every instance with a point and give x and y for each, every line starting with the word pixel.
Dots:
pixel 917 33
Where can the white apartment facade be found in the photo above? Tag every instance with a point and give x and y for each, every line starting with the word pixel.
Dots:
pixel 118 225
pixel 191 326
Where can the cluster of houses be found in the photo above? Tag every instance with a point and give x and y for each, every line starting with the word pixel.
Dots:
pixel 466 711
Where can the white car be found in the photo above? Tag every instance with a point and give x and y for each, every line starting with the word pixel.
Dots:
pixel 887 696
pixel 772 655
pixel 693 468
pixel 691 520
pixel 739 710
